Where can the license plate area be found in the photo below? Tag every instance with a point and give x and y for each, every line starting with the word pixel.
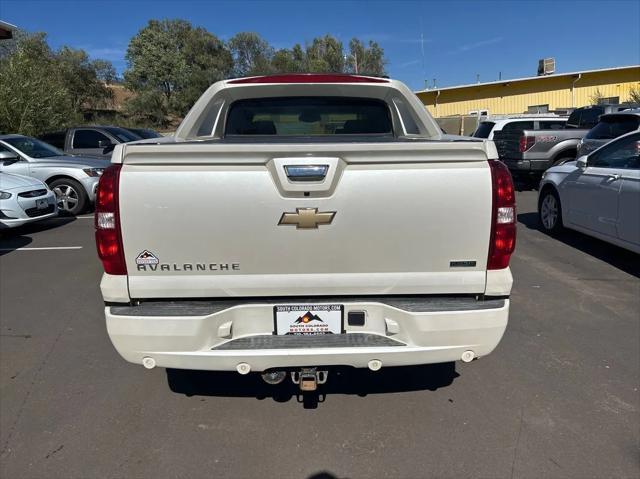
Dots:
pixel 308 319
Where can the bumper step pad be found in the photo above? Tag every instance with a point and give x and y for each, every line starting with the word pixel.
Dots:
pixel 351 340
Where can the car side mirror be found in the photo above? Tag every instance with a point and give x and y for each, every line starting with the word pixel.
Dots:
pixel 582 162
pixel 104 143
pixel 8 158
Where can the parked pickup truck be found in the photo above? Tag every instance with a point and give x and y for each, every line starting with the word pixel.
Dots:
pixel 93 141
pixel 530 152
pixel 298 222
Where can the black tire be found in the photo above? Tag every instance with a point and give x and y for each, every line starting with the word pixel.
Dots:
pixel 71 195
pixel 550 211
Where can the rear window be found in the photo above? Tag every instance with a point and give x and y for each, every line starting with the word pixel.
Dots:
pixel 484 129
pixel 551 125
pixel 590 116
pixel 574 119
pixel 518 125
pixel 308 116
pixel 613 127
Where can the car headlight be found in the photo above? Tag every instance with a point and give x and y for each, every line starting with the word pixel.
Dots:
pixel 5 195
pixel 93 171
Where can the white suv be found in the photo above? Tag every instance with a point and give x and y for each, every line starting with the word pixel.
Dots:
pixel 487 128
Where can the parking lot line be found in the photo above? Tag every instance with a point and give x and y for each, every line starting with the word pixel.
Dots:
pixel 86 217
pixel 41 249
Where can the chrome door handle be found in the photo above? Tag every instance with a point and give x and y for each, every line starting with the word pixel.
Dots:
pixel 614 177
pixel 306 172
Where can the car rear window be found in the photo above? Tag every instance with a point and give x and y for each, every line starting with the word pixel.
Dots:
pixel 484 129
pixel 308 116
pixel 611 127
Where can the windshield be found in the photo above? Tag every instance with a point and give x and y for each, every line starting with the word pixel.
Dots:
pixel 484 129
pixel 33 148
pixel 145 133
pixel 122 134
pixel 613 126
pixel 309 116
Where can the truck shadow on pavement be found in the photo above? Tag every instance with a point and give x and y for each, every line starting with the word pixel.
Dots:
pixel 617 257
pixel 13 238
pixel 341 380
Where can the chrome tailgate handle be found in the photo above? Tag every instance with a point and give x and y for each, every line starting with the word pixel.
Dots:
pixel 306 172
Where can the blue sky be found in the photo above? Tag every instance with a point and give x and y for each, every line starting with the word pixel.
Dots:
pixel 461 39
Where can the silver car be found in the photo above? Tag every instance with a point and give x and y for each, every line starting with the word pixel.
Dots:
pixel 24 200
pixel 74 180
pixel 610 126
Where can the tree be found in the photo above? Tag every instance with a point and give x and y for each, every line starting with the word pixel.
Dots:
pixel 597 97
pixel 324 54
pixel 177 60
pixel 105 72
pixel 80 75
pixel 634 95
pixel 251 54
pixel 290 61
pixel 366 59
pixel 34 97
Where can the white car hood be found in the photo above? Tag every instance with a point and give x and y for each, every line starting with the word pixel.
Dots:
pixel 11 182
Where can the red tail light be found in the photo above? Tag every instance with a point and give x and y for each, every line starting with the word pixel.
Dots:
pixel 107 222
pixel 526 142
pixel 503 217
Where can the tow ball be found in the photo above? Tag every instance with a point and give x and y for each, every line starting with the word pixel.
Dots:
pixel 309 378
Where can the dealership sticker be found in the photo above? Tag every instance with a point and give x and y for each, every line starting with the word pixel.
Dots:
pixel 308 319
pixel 147 257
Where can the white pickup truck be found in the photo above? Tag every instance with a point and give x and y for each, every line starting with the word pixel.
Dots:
pixel 298 222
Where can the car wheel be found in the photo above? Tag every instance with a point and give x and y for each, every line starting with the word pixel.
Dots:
pixel 70 195
pixel 549 211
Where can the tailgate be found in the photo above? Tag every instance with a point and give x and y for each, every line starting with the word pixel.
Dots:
pixel 214 220
pixel 508 144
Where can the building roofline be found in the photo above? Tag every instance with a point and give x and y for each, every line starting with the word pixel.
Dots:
pixel 537 77
pixel 8 26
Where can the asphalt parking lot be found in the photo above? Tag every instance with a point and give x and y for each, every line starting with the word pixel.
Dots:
pixel 558 398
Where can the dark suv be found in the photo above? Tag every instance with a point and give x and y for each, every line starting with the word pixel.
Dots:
pixel 95 141
pixel 610 126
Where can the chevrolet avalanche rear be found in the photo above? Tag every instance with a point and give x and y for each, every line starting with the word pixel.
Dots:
pixel 299 222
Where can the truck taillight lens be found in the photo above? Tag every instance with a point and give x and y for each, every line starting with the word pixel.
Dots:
pixel 526 142
pixel 503 217
pixel 107 222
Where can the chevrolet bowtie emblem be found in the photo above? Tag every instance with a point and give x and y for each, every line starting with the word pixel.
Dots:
pixel 307 218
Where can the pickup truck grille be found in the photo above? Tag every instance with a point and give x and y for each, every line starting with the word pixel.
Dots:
pixel 351 340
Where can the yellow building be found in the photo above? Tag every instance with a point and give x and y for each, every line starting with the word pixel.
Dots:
pixel 538 94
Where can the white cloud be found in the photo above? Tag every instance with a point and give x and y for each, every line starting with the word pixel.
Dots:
pixel 479 44
pixel 409 63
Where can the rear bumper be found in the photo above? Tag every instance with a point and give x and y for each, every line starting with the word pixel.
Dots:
pixel 526 166
pixel 221 335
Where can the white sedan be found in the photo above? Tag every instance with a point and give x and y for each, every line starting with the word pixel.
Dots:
pixel 598 194
pixel 24 199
